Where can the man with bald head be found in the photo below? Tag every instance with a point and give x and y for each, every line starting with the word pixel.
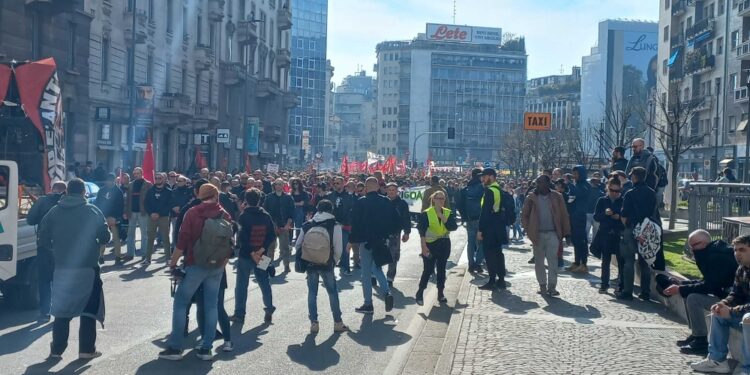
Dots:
pixel 374 219
pixel 644 159
pixel 717 263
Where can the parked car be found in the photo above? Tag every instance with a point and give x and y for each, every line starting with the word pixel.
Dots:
pixel 91 190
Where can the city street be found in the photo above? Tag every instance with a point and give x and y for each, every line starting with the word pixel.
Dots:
pixel 139 311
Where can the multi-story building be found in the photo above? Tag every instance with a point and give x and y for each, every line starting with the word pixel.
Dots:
pixel 308 76
pixel 459 77
pixel 387 128
pixel 330 139
pixel 703 60
pixel 619 73
pixel 34 30
pixel 559 95
pixel 354 106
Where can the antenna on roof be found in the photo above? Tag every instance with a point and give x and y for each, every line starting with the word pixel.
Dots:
pixel 454 12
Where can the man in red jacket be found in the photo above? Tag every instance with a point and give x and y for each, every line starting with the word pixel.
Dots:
pixel 195 275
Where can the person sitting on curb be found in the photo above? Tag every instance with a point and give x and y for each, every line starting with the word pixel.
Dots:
pixel 715 260
pixel 731 312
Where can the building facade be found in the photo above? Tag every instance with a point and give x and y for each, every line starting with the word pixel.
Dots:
pixel 465 79
pixel 354 107
pixel 559 95
pixel 388 68
pixel 35 30
pixel 619 73
pixel 703 49
pixel 308 76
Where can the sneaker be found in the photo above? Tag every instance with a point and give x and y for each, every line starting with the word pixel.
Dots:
pixel 581 269
pixel 93 355
pixel 145 262
pixel 531 261
pixel 205 354
pixel 542 289
pixel 441 297
pixel 419 298
pixel 572 267
pixel 709 365
pixel 268 317
pixel 388 302
pixel 553 293
pixel 237 319
pixel 645 297
pixel 171 354
pixel 227 347
pixel 603 290
pixel 686 341
pixel 339 327
pixel 365 309
pixel 314 327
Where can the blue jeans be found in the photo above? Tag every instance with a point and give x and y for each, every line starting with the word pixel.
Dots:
pixel 329 282
pixel 718 338
pixel 473 247
pixel 194 277
pixel 223 317
pixel 244 266
pixel 136 219
pixel 369 269
pixel 344 261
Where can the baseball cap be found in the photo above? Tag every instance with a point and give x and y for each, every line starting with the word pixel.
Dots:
pixel 489 172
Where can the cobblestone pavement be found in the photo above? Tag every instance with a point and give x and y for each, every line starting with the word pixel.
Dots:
pixel 582 332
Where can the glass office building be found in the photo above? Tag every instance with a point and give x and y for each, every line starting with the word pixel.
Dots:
pixel 308 76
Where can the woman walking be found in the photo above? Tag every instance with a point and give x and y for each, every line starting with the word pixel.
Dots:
pixel 434 226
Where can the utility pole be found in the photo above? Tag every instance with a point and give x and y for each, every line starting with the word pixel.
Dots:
pixel 131 86
pixel 717 134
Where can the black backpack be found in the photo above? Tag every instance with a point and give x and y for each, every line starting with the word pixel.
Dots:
pixel 661 175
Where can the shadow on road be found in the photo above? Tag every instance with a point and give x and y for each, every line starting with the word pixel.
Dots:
pixel 78 366
pixel 315 357
pixel 512 303
pixel 378 335
pixel 581 314
pixel 20 339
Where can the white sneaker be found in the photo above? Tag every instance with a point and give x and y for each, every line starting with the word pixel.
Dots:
pixel 227 347
pixel 709 365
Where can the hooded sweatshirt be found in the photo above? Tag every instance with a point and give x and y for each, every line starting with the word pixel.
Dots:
pixel 256 231
pixel 579 193
pixel 192 226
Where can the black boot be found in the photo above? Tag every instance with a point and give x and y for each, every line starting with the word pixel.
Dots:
pixel 699 346
pixel 686 341
pixel 489 286
pixel 441 297
pixel 420 300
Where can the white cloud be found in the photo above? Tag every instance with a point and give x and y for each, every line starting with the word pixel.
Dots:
pixel 558 32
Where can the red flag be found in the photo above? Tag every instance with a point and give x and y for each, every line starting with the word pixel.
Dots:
pixel 344 169
pixel 148 162
pixel 200 161
pixel 248 167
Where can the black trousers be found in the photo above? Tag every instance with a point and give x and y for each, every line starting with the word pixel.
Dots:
pixel 580 240
pixel 495 259
pixel 440 250
pixel 87 329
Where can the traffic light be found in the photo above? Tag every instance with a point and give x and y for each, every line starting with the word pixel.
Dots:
pixel 451 133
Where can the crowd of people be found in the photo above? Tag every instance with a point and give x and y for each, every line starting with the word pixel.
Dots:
pixel 360 222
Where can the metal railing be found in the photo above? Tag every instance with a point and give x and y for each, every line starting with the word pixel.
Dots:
pixel 710 202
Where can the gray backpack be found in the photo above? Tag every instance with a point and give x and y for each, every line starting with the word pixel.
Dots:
pixel 215 243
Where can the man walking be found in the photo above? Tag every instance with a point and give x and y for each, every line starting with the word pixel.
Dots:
pixel 579 201
pixel 374 220
pixel 394 241
pixel 470 208
pixel 110 201
pixel 158 205
pixel 280 206
pixel 546 221
pixel 135 210
pixel 498 211
pixel 343 202
pixel 44 257
pixel 77 286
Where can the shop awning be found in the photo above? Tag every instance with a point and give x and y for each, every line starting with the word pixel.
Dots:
pixel 741 127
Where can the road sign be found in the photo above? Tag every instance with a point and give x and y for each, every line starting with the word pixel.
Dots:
pixel 272 168
pixel 707 163
pixel 537 121
pixel 222 135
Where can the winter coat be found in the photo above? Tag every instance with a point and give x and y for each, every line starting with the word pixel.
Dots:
pixel 373 219
pixel 110 201
pixel 718 266
pixel 530 215
pixel 192 226
pixel 256 231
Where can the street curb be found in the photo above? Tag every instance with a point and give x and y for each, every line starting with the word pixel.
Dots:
pixel 448 352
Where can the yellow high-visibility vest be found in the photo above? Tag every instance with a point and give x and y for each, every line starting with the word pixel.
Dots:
pixel 496 193
pixel 436 229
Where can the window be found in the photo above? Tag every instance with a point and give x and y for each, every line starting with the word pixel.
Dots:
pixel 383 110
pixel 271 37
pixel 383 124
pixel 666 4
pixel 168 78
pixel 298 82
pixel 5 173
pixel 299 62
pixel 170 15
pixel 264 25
pixel 721 7
pixel 150 68
pixel 390 110
pixel 199 30
pixel 719 46
pixel 212 36
pixel 311 83
pixel 72 46
pixel 664 66
pixel 666 33
pixel 733 81
pixel 243 10
pixel 130 5
pixel 105 58
pixel 735 38
pixel 389 124
pixel 312 45
pixel 297 120
pixel 732 124
pixel 300 43
pixel 151 10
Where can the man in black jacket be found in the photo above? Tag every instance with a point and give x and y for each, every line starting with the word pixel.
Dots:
pixel 619 163
pixel 498 211
pixel 280 206
pixel 342 210
pixel 716 261
pixel 111 202
pixel 469 206
pixel 158 205
pixel 44 258
pixel 374 220
pixel 394 241
pixel 182 194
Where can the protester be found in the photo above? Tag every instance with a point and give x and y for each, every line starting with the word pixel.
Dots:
pixel 434 226
pixel 280 206
pixel 110 201
pixel 470 208
pixel 434 186
pixel 607 238
pixel 325 221
pixel 578 200
pixel 498 211
pixel 135 210
pixel 395 240
pixel 77 283
pixel 158 205
pixel 644 159
pixel 343 202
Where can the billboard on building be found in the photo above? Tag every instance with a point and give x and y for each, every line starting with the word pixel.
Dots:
pixel 252 135
pixel 639 62
pixel 463 34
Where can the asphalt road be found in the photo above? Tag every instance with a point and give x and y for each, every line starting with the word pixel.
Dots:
pixel 139 310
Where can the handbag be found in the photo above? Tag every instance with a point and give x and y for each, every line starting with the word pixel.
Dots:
pixel 596 247
pixel 381 255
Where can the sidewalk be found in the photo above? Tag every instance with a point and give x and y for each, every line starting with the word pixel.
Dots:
pixel 582 332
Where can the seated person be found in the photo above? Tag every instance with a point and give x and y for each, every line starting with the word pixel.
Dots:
pixel 715 260
pixel 731 312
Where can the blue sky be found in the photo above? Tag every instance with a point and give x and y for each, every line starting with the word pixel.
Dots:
pixel 558 32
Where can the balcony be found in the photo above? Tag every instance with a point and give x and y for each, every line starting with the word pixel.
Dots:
pixel 743 8
pixel 701 104
pixel 272 133
pixel 679 7
pixel 247 32
pixel 203 57
pixel 175 104
pixel 208 112
pixel 266 88
pixel 698 62
pixel 140 27
pixel 740 94
pixel 283 57
pixel 284 17
pixel 678 40
pixel 701 28
pixel 676 72
pixel 233 73
pixel 216 10
pixel 743 51
pixel 291 99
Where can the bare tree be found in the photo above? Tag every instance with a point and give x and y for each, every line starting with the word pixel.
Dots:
pixel 579 149
pixel 516 153
pixel 548 148
pixel 675 133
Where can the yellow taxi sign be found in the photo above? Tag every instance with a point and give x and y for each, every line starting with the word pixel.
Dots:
pixel 537 121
